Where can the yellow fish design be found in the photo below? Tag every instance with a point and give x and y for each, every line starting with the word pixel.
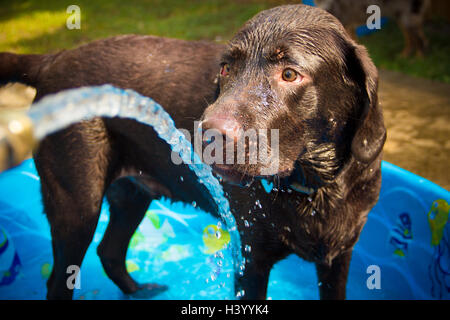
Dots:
pixel 215 238
pixel 131 266
pixel 437 218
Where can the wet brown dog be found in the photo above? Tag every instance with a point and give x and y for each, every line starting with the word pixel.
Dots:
pixel 291 68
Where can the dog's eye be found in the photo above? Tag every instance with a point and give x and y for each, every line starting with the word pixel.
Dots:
pixel 289 75
pixel 225 70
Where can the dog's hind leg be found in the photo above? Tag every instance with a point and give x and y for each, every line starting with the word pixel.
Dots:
pixel 333 278
pixel 128 199
pixel 72 233
pixel 73 167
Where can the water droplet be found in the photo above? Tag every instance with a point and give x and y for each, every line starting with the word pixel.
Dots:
pixel 246 224
pixel 248 248
pixel 218 234
pixel 194 204
pixel 258 204
pixel 313 212
pixel 181 178
pixel 309 199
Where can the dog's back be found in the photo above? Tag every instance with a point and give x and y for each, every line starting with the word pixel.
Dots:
pixel 147 64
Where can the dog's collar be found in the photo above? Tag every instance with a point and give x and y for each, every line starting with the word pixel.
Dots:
pixel 297 181
pixel 295 186
pixel 300 188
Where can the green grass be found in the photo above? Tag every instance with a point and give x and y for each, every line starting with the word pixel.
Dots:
pixel 385 47
pixel 38 26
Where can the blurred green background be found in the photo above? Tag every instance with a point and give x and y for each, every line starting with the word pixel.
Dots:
pixel 38 26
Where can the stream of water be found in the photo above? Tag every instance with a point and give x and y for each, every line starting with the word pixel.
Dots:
pixel 59 111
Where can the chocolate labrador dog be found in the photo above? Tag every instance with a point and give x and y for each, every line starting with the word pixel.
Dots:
pixel 292 70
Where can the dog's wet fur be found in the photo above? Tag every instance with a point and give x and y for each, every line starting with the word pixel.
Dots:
pixel 331 134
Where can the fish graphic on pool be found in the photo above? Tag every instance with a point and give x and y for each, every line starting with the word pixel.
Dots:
pixel 401 235
pixel 9 260
pixel 439 267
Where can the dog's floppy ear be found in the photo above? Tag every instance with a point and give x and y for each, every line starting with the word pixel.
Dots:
pixel 370 133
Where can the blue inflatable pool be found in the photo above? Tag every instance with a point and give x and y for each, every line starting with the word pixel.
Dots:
pixel 403 252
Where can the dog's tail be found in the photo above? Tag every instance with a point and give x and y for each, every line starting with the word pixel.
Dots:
pixel 23 68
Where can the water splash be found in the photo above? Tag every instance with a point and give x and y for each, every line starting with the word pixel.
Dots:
pixel 59 111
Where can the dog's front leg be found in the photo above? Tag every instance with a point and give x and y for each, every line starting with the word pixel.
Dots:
pixel 252 285
pixel 333 278
pixel 260 257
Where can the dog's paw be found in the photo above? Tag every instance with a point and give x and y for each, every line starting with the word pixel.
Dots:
pixel 148 291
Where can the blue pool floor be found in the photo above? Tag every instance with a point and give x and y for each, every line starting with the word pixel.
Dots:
pixel 175 245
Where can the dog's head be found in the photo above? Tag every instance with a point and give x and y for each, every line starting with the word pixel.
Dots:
pixel 294 74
